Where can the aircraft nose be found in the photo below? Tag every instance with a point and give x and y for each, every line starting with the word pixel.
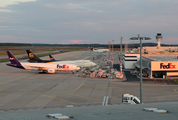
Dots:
pixel 78 68
pixel 94 64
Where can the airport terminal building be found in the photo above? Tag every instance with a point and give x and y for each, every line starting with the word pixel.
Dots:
pixel 161 66
pixel 157 61
pixel 153 66
pixel 129 60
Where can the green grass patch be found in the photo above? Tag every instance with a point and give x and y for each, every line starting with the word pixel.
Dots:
pixel 46 54
pixel 176 82
pixel 4 60
pixel 40 55
pixel 7 59
pixel 16 50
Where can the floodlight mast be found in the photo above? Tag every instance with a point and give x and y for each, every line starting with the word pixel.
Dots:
pixel 109 53
pixel 121 55
pixel 141 38
pixel 112 54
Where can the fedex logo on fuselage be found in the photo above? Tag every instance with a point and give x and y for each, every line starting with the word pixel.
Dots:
pixel 62 66
pixel 169 66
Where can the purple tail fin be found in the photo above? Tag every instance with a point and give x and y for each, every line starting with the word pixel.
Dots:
pixel 51 57
pixel 14 61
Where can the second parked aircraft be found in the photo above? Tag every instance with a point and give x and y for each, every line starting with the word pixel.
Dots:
pixel 80 63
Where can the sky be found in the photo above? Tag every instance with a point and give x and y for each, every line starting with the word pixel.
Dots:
pixel 87 21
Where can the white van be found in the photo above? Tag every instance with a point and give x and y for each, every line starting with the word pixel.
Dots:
pixel 130 99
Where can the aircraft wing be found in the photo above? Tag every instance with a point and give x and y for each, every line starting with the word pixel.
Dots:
pixel 40 68
pixel 36 66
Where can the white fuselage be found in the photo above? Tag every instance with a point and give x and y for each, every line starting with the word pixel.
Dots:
pixel 80 63
pixel 46 66
pixel 100 50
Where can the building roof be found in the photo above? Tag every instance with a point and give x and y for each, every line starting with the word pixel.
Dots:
pixel 137 64
pixel 114 112
pixel 160 57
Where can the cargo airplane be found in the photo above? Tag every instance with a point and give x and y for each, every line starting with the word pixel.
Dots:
pixel 99 50
pixel 80 63
pixel 43 67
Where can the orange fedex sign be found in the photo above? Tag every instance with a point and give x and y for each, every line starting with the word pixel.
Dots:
pixel 167 66
pixel 164 65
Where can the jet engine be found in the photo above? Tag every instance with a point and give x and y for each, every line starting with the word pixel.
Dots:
pixel 51 71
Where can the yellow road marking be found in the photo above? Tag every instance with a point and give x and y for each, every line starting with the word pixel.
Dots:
pixel 68 90
pixel 40 93
pixel 1 110
pixel 71 94
pixel 102 86
pixel 80 85
pixel 98 86
pixel 59 99
pixel 175 90
pixel 49 91
pixel 88 98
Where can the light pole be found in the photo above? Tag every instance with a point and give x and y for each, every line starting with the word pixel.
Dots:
pixel 121 55
pixel 141 38
pixel 112 53
pixel 109 58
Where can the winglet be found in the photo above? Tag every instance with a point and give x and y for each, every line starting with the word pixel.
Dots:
pixel 51 57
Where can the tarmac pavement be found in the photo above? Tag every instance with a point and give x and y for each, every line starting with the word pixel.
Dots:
pixel 26 90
